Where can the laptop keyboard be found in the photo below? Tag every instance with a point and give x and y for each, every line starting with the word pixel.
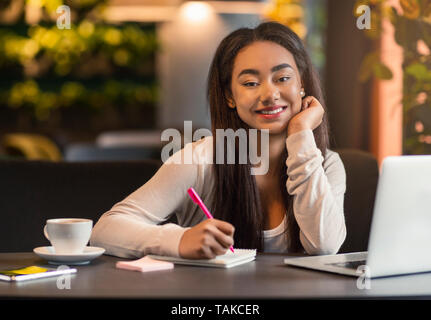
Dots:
pixel 349 264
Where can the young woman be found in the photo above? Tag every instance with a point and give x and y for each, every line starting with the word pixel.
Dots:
pixel 260 78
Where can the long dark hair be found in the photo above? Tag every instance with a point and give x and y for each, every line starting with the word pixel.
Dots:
pixel 237 197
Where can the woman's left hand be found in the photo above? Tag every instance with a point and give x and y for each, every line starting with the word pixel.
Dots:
pixel 310 116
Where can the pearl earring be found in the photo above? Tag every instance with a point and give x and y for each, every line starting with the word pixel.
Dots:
pixel 302 93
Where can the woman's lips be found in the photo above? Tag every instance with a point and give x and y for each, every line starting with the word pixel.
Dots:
pixel 271 113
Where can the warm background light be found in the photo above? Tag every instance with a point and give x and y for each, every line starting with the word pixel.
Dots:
pixel 195 11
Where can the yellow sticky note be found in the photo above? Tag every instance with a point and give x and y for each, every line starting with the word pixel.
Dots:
pixel 27 270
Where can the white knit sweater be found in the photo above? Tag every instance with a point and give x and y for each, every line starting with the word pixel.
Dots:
pixel 132 227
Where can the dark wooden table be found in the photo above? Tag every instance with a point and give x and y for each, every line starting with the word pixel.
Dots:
pixel 265 278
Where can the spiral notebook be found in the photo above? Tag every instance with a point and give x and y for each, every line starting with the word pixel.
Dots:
pixel 227 260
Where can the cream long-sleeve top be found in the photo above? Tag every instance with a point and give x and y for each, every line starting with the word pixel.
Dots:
pixel 136 225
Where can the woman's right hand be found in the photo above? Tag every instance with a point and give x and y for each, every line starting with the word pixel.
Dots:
pixel 206 240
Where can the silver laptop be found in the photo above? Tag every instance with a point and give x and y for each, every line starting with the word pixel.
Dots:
pixel 400 235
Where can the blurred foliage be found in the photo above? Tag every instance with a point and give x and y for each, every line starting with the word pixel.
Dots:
pixel 289 13
pixel 412 24
pixel 94 66
pixel 316 22
pixel 309 27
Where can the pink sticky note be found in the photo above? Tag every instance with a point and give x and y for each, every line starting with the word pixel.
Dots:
pixel 145 264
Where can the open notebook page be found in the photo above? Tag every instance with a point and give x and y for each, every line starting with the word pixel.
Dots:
pixel 228 260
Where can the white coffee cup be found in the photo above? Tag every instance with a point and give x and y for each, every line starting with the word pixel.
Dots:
pixel 68 235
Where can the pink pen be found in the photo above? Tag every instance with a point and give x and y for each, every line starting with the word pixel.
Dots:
pixel 192 193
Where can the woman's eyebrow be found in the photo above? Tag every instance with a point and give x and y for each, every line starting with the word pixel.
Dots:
pixel 281 66
pixel 273 69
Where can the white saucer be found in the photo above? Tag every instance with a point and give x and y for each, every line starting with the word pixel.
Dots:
pixel 85 257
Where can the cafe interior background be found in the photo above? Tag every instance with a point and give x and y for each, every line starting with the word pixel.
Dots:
pixel 107 85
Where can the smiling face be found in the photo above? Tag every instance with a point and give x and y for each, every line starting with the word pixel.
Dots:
pixel 266 86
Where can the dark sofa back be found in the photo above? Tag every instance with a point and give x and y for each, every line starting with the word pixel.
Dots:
pixel 362 174
pixel 33 191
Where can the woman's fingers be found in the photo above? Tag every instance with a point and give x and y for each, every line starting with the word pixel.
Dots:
pixel 309 117
pixel 304 103
pixel 206 240
pixel 223 226
pixel 212 249
pixel 222 234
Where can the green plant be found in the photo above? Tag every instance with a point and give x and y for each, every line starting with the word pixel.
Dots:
pixel 412 24
pixel 94 66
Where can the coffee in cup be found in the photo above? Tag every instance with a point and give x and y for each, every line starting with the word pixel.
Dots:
pixel 68 235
